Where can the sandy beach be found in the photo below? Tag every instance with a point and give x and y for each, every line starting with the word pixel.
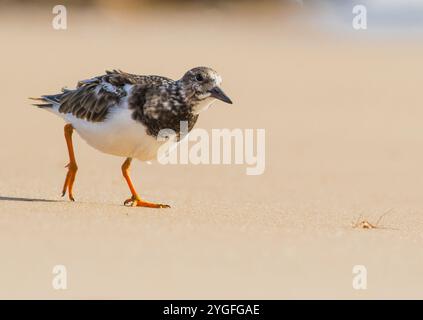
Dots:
pixel 344 139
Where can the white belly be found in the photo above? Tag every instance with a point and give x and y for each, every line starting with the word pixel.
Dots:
pixel 119 135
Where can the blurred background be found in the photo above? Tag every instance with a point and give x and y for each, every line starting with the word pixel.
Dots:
pixel 342 110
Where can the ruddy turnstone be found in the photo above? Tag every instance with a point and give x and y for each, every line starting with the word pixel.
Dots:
pixel 122 114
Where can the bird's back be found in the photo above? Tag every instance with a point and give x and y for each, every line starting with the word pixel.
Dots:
pixel 93 98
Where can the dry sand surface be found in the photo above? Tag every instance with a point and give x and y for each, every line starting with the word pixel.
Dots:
pixel 344 138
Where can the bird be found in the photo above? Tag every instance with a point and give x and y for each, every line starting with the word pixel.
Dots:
pixel 122 114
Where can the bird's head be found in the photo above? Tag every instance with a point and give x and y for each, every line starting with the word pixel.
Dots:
pixel 204 83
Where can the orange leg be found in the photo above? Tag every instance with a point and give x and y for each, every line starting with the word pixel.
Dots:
pixel 135 200
pixel 72 167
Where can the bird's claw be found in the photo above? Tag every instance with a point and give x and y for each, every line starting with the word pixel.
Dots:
pixel 135 201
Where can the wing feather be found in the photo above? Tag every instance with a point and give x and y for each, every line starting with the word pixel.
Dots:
pixel 93 98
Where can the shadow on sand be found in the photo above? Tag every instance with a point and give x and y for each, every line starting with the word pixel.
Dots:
pixel 2 198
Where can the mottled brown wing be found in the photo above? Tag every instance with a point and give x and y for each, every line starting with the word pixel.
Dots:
pixel 87 102
pixel 93 98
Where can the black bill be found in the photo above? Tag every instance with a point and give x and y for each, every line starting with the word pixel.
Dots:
pixel 218 93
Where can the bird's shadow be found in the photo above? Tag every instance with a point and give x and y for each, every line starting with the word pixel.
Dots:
pixel 21 199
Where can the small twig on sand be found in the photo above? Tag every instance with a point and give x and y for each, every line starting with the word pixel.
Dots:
pixel 364 224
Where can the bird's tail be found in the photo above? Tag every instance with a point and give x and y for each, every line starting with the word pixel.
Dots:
pixel 48 100
pixel 45 103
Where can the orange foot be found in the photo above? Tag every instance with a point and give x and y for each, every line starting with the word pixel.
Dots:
pixel 70 179
pixel 135 201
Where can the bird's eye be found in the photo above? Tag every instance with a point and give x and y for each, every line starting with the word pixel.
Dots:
pixel 199 77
